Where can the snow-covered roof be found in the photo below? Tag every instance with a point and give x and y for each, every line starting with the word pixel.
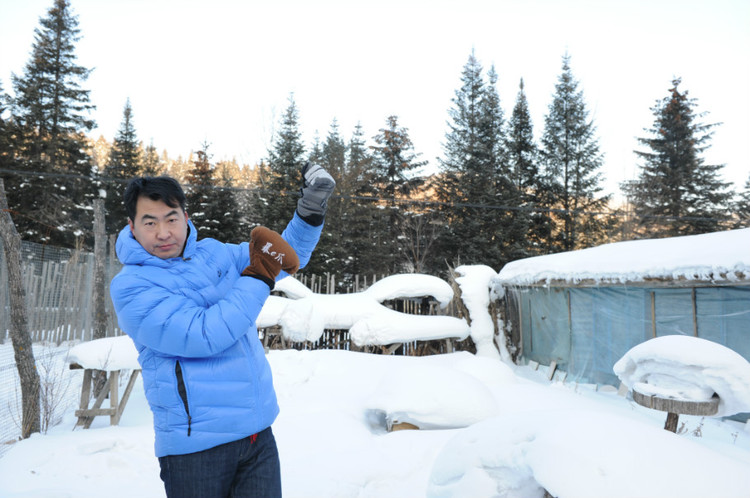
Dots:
pixel 719 257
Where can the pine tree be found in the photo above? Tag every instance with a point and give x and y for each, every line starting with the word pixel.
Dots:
pixel 676 193
pixel 572 163
pixel 396 167
pixel 124 163
pixel 475 177
pixel 278 196
pixel 52 111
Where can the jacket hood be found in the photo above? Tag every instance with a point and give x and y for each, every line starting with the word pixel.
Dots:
pixel 131 252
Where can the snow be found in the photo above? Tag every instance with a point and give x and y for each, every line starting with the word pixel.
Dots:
pixel 474 282
pixel 688 368
pixel 487 428
pixel 303 315
pixel 711 256
pixel 111 353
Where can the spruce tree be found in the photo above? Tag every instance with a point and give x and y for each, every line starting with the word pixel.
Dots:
pixel 278 194
pixel 360 215
pixel 742 206
pixel 52 111
pixel 152 163
pixel 124 163
pixel 474 183
pixel 509 224
pixel 676 192
pixel 6 133
pixel 396 167
pixel 573 164
pixel 200 195
pixel 124 157
pixel 523 161
pixel 212 202
pixel 230 226
pixel 331 255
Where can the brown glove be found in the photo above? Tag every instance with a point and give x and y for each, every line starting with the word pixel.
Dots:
pixel 269 254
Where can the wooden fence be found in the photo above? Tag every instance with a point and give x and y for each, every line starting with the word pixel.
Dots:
pixel 59 295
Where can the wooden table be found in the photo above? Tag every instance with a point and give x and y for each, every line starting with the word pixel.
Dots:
pixel 676 407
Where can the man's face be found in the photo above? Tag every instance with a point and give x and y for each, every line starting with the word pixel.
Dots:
pixel 159 228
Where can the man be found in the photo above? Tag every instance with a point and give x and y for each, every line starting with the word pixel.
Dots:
pixel 190 307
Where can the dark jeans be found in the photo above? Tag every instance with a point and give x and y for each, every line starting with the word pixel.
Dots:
pixel 248 468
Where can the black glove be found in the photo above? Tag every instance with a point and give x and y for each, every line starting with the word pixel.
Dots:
pixel 269 254
pixel 317 187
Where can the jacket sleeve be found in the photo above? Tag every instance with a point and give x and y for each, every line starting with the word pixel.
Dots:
pixel 303 237
pixel 170 321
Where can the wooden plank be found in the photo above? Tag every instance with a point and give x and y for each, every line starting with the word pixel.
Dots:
pixel 686 407
pixel 114 395
pixel 89 413
pixel 125 397
pixel 551 371
pixel 98 403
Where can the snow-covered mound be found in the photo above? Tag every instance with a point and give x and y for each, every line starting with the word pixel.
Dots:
pixel 688 368
pixel 522 454
pixel 433 397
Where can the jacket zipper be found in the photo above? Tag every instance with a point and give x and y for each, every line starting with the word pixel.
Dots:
pixel 182 391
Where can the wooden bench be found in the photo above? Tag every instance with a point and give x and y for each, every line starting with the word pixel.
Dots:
pixel 103 361
pixel 111 385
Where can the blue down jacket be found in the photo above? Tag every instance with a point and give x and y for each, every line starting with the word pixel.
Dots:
pixel 192 319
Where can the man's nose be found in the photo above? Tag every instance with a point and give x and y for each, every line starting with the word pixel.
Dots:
pixel 162 231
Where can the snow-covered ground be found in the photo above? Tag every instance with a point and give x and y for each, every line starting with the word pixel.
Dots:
pixel 489 430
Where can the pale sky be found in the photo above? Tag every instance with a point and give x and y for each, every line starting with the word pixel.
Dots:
pixel 222 71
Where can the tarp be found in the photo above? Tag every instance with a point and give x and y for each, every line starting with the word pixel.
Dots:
pixel 587 329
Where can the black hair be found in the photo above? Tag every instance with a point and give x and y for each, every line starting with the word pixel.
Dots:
pixel 158 188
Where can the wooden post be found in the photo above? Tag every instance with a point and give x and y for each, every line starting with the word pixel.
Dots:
pixel 99 292
pixel 653 314
pixel 671 423
pixel 100 250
